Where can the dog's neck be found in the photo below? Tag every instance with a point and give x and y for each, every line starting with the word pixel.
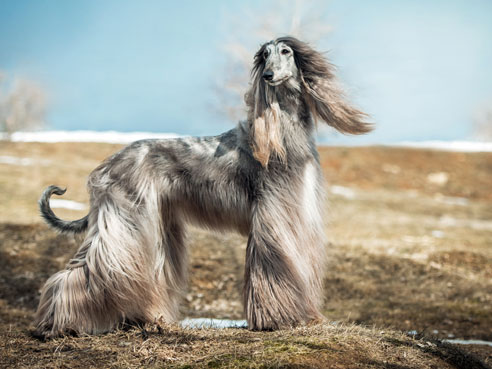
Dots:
pixel 294 108
pixel 297 126
pixel 279 123
pixel 287 95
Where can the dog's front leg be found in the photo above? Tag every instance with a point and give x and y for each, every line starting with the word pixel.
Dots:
pixel 277 290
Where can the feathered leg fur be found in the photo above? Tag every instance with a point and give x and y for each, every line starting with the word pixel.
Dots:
pixel 125 270
pixel 285 254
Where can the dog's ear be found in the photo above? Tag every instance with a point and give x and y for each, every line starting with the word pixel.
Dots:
pixel 263 116
pixel 327 102
pixel 324 95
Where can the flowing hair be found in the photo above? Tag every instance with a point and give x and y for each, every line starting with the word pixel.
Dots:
pixel 320 90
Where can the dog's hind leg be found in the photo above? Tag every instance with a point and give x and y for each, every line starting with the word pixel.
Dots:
pixel 119 274
pixel 72 300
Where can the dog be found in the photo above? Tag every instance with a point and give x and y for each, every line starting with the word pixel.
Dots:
pixel 262 179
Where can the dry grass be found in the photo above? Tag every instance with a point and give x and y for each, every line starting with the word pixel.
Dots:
pixel 406 253
pixel 322 346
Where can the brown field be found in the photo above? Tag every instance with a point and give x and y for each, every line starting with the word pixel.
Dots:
pixel 410 249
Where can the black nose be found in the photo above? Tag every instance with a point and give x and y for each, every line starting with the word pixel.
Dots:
pixel 268 75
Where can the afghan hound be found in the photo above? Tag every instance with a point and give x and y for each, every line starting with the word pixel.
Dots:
pixel 261 179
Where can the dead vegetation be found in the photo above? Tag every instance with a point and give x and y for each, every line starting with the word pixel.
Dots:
pixel 409 250
pixel 319 346
pixel 22 104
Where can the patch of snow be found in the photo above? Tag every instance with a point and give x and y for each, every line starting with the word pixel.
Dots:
pixel 469 342
pixel 419 256
pixel 478 224
pixel 437 233
pixel 438 178
pixel 342 191
pixel 128 137
pixel 86 136
pixel 391 168
pixel 460 146
pixel 67 204
pixel 212 323
pixel 455 340
pixel 435 265
pixel 450 200
pixel 14 160
pixel 418 240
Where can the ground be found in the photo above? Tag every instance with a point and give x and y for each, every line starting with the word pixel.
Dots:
pixel 410 255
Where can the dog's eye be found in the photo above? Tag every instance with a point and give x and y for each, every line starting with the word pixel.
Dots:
pixel 265 54
pixel 285 51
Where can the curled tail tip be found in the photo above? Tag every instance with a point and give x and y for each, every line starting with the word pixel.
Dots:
pixel 54 190
pixel 45 197
pixel 63 226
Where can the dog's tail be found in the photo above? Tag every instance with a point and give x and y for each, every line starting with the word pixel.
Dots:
pixel 60 225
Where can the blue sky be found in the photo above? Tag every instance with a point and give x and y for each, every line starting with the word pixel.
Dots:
pixel 420 68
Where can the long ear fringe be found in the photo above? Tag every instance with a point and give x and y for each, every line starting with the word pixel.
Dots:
pixel 325 98
pixel 264 119
pixel 266 136
pixel 328 103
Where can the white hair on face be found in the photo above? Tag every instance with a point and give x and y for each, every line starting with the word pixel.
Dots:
pixel 262 179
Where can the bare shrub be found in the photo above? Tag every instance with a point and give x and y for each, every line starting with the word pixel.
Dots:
pixel 482 123
pixel 249 29
pixel 22 105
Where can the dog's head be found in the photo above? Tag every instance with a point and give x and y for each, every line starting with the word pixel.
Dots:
pixel 288 63
pixel 277 63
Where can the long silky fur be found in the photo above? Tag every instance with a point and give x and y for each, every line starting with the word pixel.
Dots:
pixel 261 179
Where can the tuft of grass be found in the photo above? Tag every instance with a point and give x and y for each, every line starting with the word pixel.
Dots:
pixel 318 346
